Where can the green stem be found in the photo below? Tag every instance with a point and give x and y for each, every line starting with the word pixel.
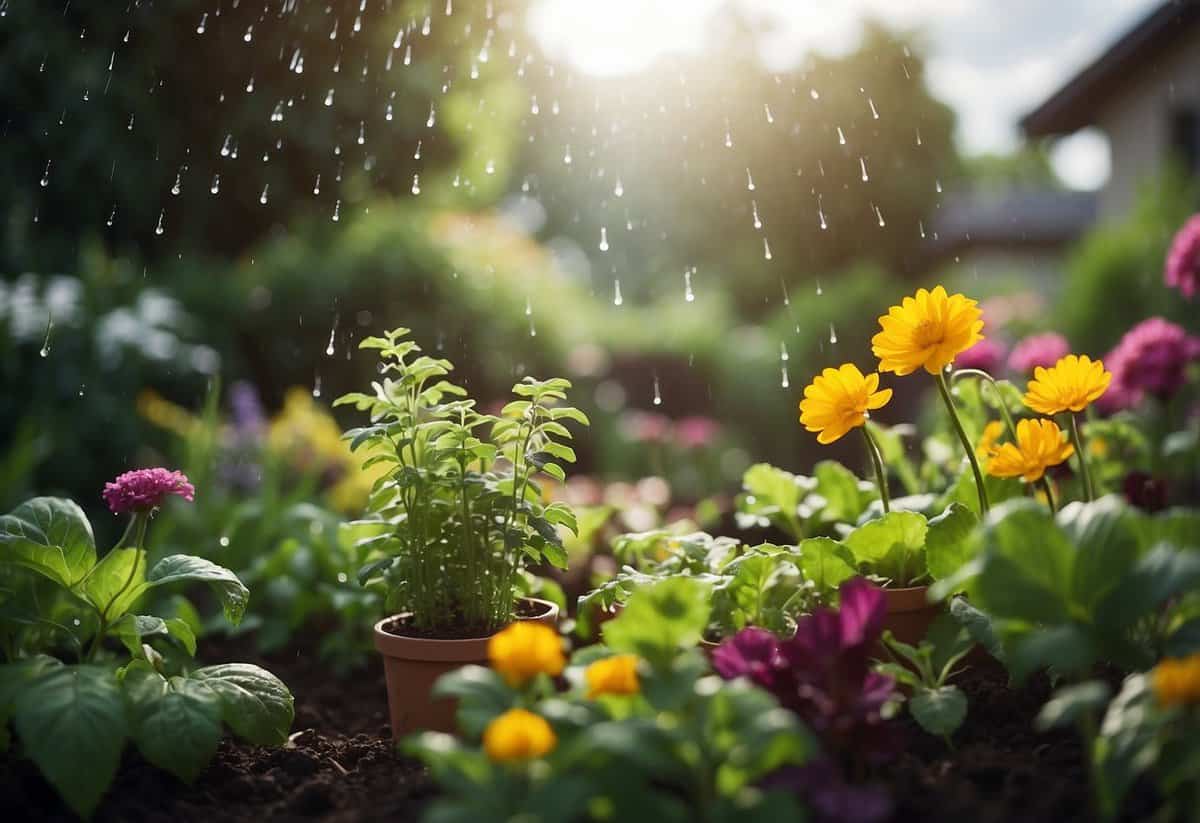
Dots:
pixel 1049 493
pixel 966 442
pixel 880 476
pixel 1004 412
pixel 132 540
pixel 1089 492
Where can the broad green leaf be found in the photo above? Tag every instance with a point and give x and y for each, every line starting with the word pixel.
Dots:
pixel 839 487
pixel 183 631
pixel 892 546
pixel 1071 703
pixel 1027 565
pixel 179 730
pixel 1066 648
pixel 131 628
pixel 254 703
pixel 949 542
pixel 826 562
pixel 660 618
pixel 1106 545
pixel 51 536
pixel 1159 575
pixel 939 711
pixel 71 722
pixel 117 581
pixel 184 568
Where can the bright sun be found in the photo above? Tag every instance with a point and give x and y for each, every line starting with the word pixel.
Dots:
pixel 619 36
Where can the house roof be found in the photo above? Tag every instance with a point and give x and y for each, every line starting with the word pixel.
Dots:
pixel 1010 220
pixel 1072 106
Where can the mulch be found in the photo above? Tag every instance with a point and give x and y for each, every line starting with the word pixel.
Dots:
pixel 340 764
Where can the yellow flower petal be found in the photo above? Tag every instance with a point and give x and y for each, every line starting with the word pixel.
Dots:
pixel 524 650
pixel 1040 445
pixel 838 400
pixel 518 735
pixel 926 331
pixel 1071 385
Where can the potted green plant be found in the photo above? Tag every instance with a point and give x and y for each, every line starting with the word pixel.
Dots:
pixel 458 515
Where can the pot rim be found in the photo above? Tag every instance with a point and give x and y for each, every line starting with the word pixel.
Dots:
pixel 456 650
pixel 907 599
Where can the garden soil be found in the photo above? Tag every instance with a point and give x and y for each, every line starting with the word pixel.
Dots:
pixel 340 764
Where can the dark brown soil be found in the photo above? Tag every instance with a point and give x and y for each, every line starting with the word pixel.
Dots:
pixel 341 766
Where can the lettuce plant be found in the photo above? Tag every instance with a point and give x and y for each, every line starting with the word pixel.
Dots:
pixel 459 512
pixel 666 741
pixel 85 671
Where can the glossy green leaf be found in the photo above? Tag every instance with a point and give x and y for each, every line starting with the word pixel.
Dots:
pixel 939 711
pixel 892 546
pixel 254 703
pixel 660 618
pixel 1106 542
pixel 116 582
pixel 183 568
pixel 826 562
pixel 1027 565
pixel 180 728
pixel 1072 703
pixel 51 536
pixel 950 542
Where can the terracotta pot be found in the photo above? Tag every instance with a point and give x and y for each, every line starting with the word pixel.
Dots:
pixel 909 613
pixel 413 664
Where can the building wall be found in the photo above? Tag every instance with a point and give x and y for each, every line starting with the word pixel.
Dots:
pixel 1137 120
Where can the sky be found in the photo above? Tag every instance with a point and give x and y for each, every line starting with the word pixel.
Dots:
pixel 992 60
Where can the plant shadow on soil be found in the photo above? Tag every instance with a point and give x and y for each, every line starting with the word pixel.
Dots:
pixel 341 765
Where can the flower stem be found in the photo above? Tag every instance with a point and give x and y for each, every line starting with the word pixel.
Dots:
pixel 966 441
pixel 1049 493
pixel 1089 491
pixel 1004 412
pixel 880 476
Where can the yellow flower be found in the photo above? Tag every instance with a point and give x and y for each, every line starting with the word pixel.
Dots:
pixel 524 650
pixel 838 400
pixel 926 331
pixel 1176 682
pixel 1069 385
pixel 613 675
pixel 991 434
pixel 518 735
pixel 1039 446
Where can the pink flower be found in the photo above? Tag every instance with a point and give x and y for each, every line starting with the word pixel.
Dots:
pixel 645 427
pixel 1038 350
pixel 144 489
pixel 987 354
pixel 1183 260
pixel 693 432
pixel 1152 358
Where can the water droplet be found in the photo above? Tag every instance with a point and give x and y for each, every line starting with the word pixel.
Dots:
pixel 814 94
pixel 688 295
pixel 617 299
pixel 112 215
pixel 766 249
pixel 224 541
pixel 921 228
pixel 657 392
pixel 432 118
pixel 158 229
pixel 874 113
pixel 416 186
pixel 567 155
pixel 130 126
pixel 362 132
pixel 317 185
pixel 417 152
pixel 262 198
pixel 618 189
pixel 862 164
pixel 841 136
pixel 832 335
pixel 821 214
pixel 316 392
pixel 784 382
pixel 783 352
pixel 45 181
pixel 203 22
pixel 918 137
pixel 337 206
pixel 215 188
pixel 754 211
pixel 408 54
pixel 937 185
pixel 820 291
pixel 879 215
pixel 767 110
pixel 45 350
pixel 728 136
pixel 603 239
pixel 329 98
pixel 749 181
pixel 533 105
pixel 489 167
pixel 178 186
pixel 249 35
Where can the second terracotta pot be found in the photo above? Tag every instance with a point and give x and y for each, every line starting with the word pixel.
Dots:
pixel 909 613
pixel 413 664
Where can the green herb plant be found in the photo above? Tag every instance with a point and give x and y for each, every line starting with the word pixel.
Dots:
pixel 459 513
pixel 938 706
pixel 85 671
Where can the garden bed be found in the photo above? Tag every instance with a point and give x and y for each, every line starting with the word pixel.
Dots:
pixel 340 764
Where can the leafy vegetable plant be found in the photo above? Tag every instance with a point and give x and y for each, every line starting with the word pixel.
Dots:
pixel 458 514
pixel 644 731
pixel 71 698
pixel 937 705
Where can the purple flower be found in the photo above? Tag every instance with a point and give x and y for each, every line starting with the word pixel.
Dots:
pixel 1183 260
pixel 693 432
pixel 987 354
pixel 1147 492
pixel 1152 358
pixel 248 415
pixel 144 489
pixel 1038 350
pixel 823 673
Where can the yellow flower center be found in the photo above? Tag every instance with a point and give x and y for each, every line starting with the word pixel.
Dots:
pixel 929 333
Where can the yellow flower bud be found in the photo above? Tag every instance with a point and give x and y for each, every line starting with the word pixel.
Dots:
pixel 518 735
pixel 524 650
pixel 613 675
pixel 1176 682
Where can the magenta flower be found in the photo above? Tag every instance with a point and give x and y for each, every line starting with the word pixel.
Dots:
pixel 695 432
pixel 987 354
pixel 144 489
pixel 1152 358
pixel 1038 350
pixel 1183 260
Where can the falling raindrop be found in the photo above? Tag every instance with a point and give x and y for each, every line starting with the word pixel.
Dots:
pixel 874 113
pixel 215 188
pixel 408 54
pixel 567 155
pixel 918 137
pixel 332 332
pixel 937 185
pixel 862 164
pixel 329 98
pixel 832 335
pixel 529 314
pixel 416 186
pixel 432 118
pixel 820 291
pixel 603 239
pixel 45 351
pixel 225 145
pixel 814 94
pixel 249 35
pixel 112 215
pixel 728 136
pixel 618 189
pixel 533 105
pixel 754 211
pixel 767 110
pixel 766 249
pixel 783 352
pixel 749 181
pixel 45 181
pixel 130 126
pixel 362 132
pixel 657 392
pixel 784 382
pixel 617 299
pixel 417 152
pixel 337 206
pixel 203 22
pixel 489 167
pixel 388 114
pixel 921 228
pixel 262 198
pixel 688 295
pixel 317 185
pixel 841 136
pixel 821 214
pixel 316 392
pixel 159 228
pixel 879 215
pixel 178 186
